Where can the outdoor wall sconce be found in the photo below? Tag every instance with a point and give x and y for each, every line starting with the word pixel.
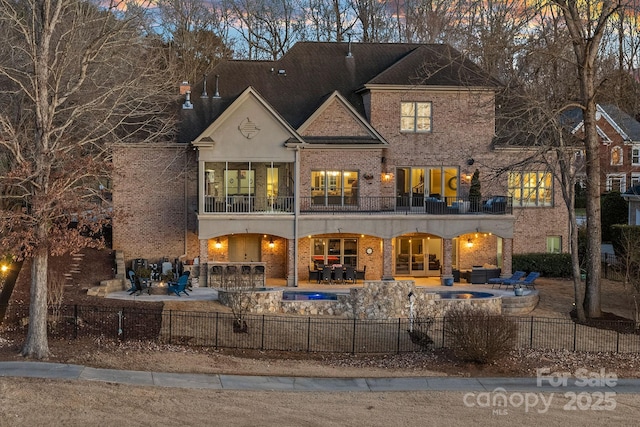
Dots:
pixel 386 177
pixel 218 245
pixel 271 244
pixel 469 243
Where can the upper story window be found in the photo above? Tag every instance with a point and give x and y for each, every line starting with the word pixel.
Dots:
pixel 635 155
pixel 531 188
pixel 616 156
pixel 415 117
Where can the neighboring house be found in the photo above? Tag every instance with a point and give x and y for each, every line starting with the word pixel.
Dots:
pixel 620 149
pixel 355 154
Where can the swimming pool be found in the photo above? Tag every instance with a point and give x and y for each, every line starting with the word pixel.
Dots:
pixel 308 296
pixel 464 295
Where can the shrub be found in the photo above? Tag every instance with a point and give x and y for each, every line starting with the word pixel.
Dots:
pixel 548 265
pixel 476 335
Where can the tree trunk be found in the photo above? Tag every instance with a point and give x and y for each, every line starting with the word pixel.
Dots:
pixel 36 344
pixel 594 231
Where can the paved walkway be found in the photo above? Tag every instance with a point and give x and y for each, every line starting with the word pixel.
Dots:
pixel 275 383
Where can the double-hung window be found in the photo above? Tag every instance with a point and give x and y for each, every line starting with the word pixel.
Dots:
pixel 531 188
pixel 635 155
pixel 415 117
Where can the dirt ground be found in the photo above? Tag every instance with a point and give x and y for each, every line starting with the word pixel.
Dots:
pixel 35 401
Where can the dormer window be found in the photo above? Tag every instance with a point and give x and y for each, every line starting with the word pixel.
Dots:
pixel 415 117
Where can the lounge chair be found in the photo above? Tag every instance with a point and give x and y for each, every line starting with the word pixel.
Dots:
pixel 528 282
pixel 180 286
pixel 501 280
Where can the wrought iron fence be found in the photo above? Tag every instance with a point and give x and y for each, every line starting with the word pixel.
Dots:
pixel 321 334
pixel 612 267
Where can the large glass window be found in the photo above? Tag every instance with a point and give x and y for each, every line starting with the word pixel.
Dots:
pixel 415 117
pixel 334 187
pixel 531 188
pixel 413 184
pixel 334 251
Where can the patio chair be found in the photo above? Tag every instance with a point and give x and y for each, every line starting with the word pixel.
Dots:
pixel 360 274
pixel 325 275
pixel 349 274
pixel 138 285
pixel 180 286
pixel 501 280
pixel 528 282
pixel 314 275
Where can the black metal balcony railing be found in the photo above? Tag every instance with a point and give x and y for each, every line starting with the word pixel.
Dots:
pixel 497 205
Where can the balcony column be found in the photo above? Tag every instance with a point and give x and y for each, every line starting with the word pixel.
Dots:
pixel 507 257
pixel 204 260
pixel 292 265
pixel 387 259
pixel 447 259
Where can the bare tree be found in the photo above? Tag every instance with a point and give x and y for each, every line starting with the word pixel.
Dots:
pixel 586 24
pixel 327 20
pixel 198 33
pixel 74 76
pixel 269 27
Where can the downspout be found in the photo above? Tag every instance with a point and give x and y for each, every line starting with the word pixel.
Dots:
pixel 296 215
pixel 186 202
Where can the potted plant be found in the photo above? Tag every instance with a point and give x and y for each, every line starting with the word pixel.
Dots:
pixel 143 274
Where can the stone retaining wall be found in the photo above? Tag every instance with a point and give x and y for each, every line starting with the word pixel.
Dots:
pixel 375 300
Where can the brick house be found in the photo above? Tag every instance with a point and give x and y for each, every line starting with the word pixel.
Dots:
pixel 338 153
pixel 620 146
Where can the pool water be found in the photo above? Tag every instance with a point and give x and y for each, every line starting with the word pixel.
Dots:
pixel 308 296
pixel 464 295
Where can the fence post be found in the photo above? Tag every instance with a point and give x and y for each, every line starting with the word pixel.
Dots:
pixel 75 321
pixel 398 352
pixel 170 319
pixel 262 338
pixel 575 333
pixel 617 341
pixel 308 334
pixel 531 333
pixel 443 330
pixel 217 321
pixel 353 341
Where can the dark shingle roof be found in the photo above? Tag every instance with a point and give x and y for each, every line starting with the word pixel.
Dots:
pixel 297 84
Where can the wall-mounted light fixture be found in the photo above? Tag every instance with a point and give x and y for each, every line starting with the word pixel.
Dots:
pixel 218 245
pixel 387 176
pixel 469 243
pixel 271 243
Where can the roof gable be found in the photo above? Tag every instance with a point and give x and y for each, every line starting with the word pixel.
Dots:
pixel 336 120
pixel 248 129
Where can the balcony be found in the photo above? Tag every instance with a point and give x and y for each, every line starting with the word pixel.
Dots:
pixel 336 205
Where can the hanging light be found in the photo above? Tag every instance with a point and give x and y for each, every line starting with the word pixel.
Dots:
pixel 271 243
pixel 218 244
pixel 469 243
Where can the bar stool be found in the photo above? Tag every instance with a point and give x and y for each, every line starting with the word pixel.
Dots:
pixel 231 276
pixel 258 276
pixel 216 276
pixel 245 276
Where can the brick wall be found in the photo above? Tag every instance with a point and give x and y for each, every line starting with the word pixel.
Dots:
pixel 150 208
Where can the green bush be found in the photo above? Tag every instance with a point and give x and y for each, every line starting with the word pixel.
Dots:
pixel 548 265
pixel 476 335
